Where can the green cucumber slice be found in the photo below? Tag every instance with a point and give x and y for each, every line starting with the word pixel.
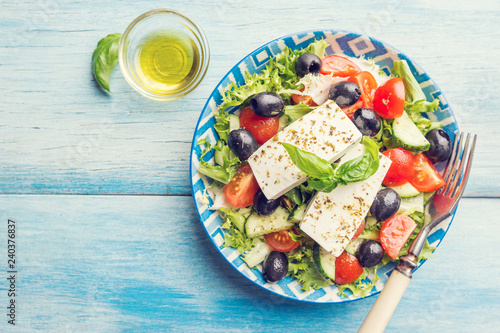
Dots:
pixel 406 191
pixel 234 122
pixel 407 135
pixel 412 205
pixel 257 254
pixel 283 121
pixel 324 262
pixel 257 225
pixel 297 213
pixel 354 245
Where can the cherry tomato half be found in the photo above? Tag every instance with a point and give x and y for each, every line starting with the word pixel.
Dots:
pixel 368 85
pixel 349 110
pixel 339 66
pixel 242 188
pixel 395 232
pixel 426 178
pixel 281 241
pixel 347 268
pixel 262 128
pixel 389 99
pixel 402 167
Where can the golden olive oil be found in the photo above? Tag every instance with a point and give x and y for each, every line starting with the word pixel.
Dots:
pixel 167 60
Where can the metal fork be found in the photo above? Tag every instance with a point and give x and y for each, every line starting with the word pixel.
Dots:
pixel 441 206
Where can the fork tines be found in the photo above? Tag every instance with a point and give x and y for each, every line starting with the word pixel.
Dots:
pixel 458 168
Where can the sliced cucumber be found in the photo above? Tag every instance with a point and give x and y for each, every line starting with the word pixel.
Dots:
pixel 257 225
pixel 370 234
pixel 428 196
pixel 406 191
pixel 297 213
pixel 412 205
pixel 283 121
pixel 237 218
pixel 407 135
pixel 324 262
pixel 234 122
pixel 370 221
pixel 258 253
pixel 354 245
pixel 218 157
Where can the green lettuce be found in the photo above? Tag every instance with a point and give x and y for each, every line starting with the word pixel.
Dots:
pixel 234 237
pixel 362 286
pixel 294 112
pixel 227 166
pixel 301 266
pixel 416 102
pixel 278 76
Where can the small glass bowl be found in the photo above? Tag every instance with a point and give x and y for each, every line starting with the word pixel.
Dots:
pixel 165 22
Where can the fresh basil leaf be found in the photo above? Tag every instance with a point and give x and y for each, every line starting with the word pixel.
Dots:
pixel 361 167
pixel 355 169
pixel 309 163
pixel 323 185
pixel 104 59
pixel 371 147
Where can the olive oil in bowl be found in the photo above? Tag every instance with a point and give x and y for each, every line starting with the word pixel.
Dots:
pixel 166 61
pixel 163 54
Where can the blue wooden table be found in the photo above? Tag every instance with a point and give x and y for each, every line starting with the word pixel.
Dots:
pixel 107 236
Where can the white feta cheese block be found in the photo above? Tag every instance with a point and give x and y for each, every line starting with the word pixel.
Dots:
pixel 331 219
pixel 325 131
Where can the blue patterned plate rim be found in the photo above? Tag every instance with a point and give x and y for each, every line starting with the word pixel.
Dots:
pixel 350 44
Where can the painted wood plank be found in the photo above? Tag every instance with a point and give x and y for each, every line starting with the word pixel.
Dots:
pixel 60 134
pixel 144 263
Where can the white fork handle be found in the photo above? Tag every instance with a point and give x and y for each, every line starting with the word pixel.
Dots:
pixel 381 312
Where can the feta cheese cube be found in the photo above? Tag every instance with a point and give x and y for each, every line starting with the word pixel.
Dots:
pixel 331 219
pixel 325 131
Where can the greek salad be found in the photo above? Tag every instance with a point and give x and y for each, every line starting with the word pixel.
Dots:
pixel 323 167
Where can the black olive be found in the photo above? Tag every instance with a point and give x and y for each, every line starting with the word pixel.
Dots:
pixel 267 104
pixel 242 143
pixel 370 253
pixel 275 266
pixel 264 206
pixel 307 63
pixel 367 121
pixel 345 93
pixel 386 204
pixel 440 148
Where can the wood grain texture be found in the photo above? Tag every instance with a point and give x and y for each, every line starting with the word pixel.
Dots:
pixel 139 263
pixel 61 134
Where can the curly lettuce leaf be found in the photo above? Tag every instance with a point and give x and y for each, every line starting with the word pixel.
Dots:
pixel 233 237
pixel 301 267
pixel 413 92
pixel 234 218
pixel 363 286
pixel 222 172
pixel 278 76
pixel 415 111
